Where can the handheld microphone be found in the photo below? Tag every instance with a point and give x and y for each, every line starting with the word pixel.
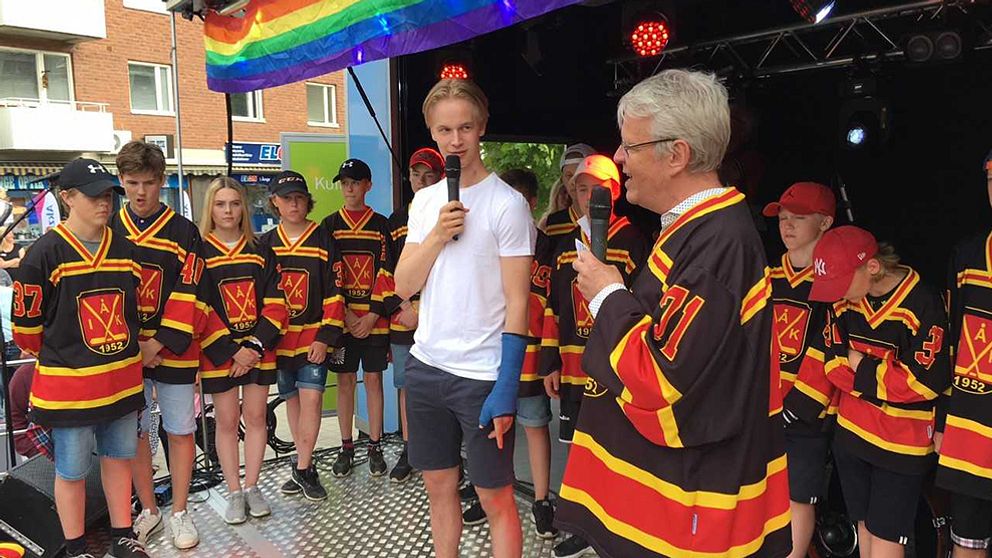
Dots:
pixel 600 208
pixel 453 172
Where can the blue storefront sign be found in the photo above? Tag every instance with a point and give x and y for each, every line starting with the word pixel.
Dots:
pixel 251 179
pixel 21 182
pixel 251 153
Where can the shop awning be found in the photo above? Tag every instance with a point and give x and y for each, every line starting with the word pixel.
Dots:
pixel 29 169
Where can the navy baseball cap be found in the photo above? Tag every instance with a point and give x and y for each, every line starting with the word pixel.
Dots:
pixel 355 169
pixel 89 177
pixel 287 182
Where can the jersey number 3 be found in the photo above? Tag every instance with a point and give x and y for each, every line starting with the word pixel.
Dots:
pixel 33 293
pixel 930 347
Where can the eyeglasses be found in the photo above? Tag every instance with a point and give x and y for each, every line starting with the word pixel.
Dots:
pixel 635 146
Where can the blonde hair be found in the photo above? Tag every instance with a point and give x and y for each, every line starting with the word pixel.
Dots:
pixel 207 219
pixel 888 259
pixel 457 89
pixel 554 203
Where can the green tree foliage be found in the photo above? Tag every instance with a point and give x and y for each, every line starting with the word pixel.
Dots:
pixel 541 158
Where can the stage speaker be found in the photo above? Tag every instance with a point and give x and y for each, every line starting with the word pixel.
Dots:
pixel 27 506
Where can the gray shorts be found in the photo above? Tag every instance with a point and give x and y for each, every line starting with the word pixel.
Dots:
pixel 442 411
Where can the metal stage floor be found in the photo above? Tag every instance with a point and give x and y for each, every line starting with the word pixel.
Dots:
pixel 363 517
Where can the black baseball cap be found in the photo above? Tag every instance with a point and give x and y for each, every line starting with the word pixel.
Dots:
pixel 287 182
pixel 355 169
pixel 89 177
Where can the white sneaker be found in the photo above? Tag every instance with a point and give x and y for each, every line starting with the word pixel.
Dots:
pixel 147 524
pixel 257 506
pixel 235 513
pixel 184 533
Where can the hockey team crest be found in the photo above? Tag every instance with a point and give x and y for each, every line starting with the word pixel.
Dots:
pixel 580 307
pixel 150 291
pixel 791 322
pixel 296 287
pixel 239 303
pixel 358 273
pixel 101 320
pixel 973 369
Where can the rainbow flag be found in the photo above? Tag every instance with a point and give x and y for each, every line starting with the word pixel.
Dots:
pixel 284 41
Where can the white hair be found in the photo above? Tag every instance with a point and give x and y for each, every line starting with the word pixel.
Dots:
pixel 690 106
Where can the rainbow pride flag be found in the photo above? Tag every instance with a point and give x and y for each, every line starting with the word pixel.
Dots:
pixel 284 41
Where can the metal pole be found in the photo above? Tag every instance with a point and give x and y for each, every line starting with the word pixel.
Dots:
pixel 179 120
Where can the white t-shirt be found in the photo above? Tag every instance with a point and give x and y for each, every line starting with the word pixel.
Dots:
pixel 462 307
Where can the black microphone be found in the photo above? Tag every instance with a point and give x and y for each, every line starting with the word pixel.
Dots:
pixel 600 208
pixel 453 171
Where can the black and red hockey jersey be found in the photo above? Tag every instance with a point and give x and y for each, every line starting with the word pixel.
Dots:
pixel 679 450
pixel 365 253
pixel 965 464
pixel 77 312
pixel 171 304
pixel 567 320
pixel 798 321
pixel 885 412
pixel 559 224
pixel 245 302
pixel 399 334
pixel 308 268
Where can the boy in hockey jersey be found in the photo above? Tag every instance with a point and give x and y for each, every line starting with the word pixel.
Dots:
pixel 883 352
pixel 362 236
pixel 76 311
pixel 965 466
pixel 171 307
pixel 307 261
pixel 805 211
pixel 426 168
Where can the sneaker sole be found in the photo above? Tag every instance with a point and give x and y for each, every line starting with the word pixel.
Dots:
pixel 295 490
pixel 314 499
pixel 377 475
pixel 579 554
pixel 476 522
pixel 400 480
pixel 259 515
pixel 547 535
pixel 340 476
pixel 239 521
pixel 185 546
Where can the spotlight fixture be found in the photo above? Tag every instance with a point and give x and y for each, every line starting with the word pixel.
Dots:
pixel 454 70
pixel 650 35
pixel 813 11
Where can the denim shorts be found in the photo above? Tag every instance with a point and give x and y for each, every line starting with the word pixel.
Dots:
pixel 116 439
pixel 311 376
pixel 175 403
pixel 534 411
pixel 400 354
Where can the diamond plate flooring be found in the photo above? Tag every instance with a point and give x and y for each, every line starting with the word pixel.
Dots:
pixel 363 517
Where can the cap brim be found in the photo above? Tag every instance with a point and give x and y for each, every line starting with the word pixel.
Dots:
pixel 98 187
pixel 830 290
pixel 772 209
pixel 292 188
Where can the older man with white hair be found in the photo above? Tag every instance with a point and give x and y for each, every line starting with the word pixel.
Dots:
pixel 679 446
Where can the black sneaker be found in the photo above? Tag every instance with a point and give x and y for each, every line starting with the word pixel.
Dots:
pixel 544 515
pixel 377 463
pixel 126 547
pixel 467 493
pixel 572 547
pixel 342 465
pixel 474 515
pixel 401 472
pixel 293 485
pixel 310 481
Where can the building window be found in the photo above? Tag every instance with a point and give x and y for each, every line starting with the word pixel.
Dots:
pixel 322 105
pixel 151 88
pixel 35 77
pixel 247 106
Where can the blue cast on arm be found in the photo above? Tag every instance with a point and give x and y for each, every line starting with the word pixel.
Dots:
pixel 502 400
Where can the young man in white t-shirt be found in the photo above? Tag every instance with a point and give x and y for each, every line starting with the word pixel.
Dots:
pixel 464 368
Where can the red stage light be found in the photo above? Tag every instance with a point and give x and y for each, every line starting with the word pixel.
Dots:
pixel 454 71
pixel 649 38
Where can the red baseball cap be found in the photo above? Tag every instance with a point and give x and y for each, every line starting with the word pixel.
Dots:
pixel 805 198
pixel 429 157
pixel 836 257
